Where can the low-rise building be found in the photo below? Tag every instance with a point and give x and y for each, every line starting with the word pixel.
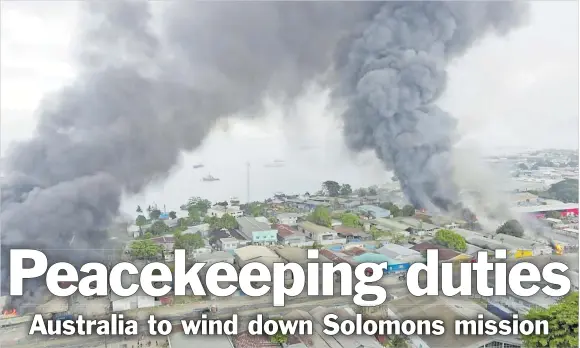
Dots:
pixel 228 244
pixel 352 233
pixel 215 257
pixel 391 225
pixel 290 219
pixel 445 254
pixel 256 231
pixel 202 229
pixel 181 340
pixel 289 236
pixel 398 252
pixel 418 227
pixel 317 233
pixel 449 310
pixel 255 253
pixel 373 212
pixel 219 211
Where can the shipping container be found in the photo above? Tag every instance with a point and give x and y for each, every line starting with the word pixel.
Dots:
pixel 500 311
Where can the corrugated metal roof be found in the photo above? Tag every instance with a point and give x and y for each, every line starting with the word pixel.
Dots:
pixel 541 208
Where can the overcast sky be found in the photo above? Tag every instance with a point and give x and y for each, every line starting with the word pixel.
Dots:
pixel 517 91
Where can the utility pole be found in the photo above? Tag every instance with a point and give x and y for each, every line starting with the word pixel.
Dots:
pixel 248 181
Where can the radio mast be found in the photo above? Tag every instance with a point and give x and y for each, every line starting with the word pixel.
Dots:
pixel 248 181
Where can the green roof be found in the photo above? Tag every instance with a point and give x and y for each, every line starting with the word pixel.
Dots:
pixel 376 258
pixel 371 257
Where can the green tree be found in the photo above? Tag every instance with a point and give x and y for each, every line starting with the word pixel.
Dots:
pixel 141 221
pixel 331 188
pixel 228 222
pixel 321 216
pixel 254 208
pixel 523 166
pixel 172 215
pixel 188 242
pixel 182 223
pixel 194 216
pixel 361 192
pixel 139 210
pixel 451 240
pixel 372 191
pixel 553 214
pixel 565 191
pixel 408 210
pixel 154 214
pixel 345 190
pixel 511 228
pixel 398 238
pixel 200 204
pixel 159 228
pixel 350 220
pixel 562 320
pixel 279 338
pixel 397 342
pixel 392 208
pixel 144 249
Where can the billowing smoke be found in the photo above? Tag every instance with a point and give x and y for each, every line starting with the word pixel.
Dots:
pixel 143 96
pixel 392 76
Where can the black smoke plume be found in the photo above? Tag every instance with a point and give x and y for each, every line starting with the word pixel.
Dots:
pixel 143 96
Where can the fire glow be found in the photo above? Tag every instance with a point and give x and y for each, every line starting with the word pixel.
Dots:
pixel 9 312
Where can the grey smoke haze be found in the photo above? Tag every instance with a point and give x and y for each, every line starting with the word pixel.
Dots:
pixel 142 97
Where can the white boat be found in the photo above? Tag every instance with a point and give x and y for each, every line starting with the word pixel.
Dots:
pixel 209 177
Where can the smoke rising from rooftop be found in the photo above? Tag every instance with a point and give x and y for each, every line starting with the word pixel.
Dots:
pixel 143 97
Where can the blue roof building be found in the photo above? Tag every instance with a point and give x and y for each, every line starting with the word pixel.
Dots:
pixel 392 264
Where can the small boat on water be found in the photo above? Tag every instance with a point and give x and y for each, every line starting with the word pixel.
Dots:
pixel 209 177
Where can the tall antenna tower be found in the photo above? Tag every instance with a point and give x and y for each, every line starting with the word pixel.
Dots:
pixel 248 181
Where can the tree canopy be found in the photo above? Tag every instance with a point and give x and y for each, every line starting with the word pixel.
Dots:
pixel 254 208
pixel 350 220
pixel 331 188
pixel 511 228
pixel 199 204
pixel 392 208
pixel 141 220
pixel 562 320
pixel 361 192
pixel 188 242
pixel 139 210
pixel 408 210
pixel 321 216
pixel 345 190
pixel 226 221
pixel 159 228
pixel 144 249
pixel 565 191
pixel 154 214
pixel 372 191
pixel 172 215
pixel 451 240
pixel 279 338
